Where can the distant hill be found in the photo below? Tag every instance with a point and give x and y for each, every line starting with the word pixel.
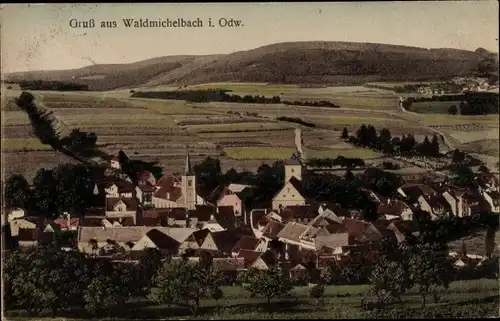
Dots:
pixel 342 63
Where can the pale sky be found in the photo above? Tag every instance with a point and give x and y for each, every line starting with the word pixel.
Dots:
pixel 38 36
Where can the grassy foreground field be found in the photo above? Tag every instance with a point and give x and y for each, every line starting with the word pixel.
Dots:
pixel 475 298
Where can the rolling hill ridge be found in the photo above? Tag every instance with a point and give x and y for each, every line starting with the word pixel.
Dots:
pixel 335 63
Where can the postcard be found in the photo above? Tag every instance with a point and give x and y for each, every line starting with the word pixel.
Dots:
pixel 250 160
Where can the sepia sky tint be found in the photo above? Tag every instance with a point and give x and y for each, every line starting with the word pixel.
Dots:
pixel 38 37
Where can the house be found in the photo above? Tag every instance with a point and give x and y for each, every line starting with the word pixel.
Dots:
pixel 115 162
pixel 222 219
pixel 412 191
pixel 121 207
pixel 227 239
pixel 249 243
pixel 362 231
pixel 271 230
pixel 436 206
pixel 157 240
pixel 12 214
pixel 395 209
pixel 205 241
pixel 68 223
pixel 119 189
pixel 91 239
pixel 146 178
pixel 144 193
pixel 224 196
pixel 187 194
pixel 291 194
pixel 493 200
pixel 118 221
pixel 298 213
pixel 459 201
pixel 31 237
pixel 489 182
pixel 403 228
pixel 258 260
pixel 22 223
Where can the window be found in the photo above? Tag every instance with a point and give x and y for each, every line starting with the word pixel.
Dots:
pixel 293 170
pixel 190 183
pixel 293 195
pixel 288 190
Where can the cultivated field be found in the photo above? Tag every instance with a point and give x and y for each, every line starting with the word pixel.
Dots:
pixel 242 135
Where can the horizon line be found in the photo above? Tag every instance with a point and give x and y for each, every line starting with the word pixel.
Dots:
pixel 243 50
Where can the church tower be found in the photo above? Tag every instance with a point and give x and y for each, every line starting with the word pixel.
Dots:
pixel 188 185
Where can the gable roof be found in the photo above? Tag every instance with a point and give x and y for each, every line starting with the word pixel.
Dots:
pixel 246 243
pixel 395 207
pixel 272 229
pixel 249 256
pixel 162 240
pixel 169 192
pixel 256 216
pixel 227 239
pixel 130 203
pixel 200 236
pixel 292 231
pixel 132 233
pixel 123 221
pixel 63 223
pixel 421 188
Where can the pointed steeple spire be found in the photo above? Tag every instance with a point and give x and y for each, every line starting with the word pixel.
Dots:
pixel 187 169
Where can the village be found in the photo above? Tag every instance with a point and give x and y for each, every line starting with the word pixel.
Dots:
pixel 179 217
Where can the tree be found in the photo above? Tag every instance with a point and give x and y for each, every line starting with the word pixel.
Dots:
pixel 389 277
pixel 268 284
pixel 109 289
pixel 452 110
pixel 318 292
pixel 149 263
pixel 345 133
pixel 46 278
pixel 17 191
pixel 434 147
pixel 184 283
pixel 457 156
pixel 428 269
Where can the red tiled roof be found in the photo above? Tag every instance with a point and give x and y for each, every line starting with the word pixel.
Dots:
pixel 146 188
pixel 116 158
pixel 225 240
pixel 63 223
pixel 355 228
pixel 170 193
pixel 146 176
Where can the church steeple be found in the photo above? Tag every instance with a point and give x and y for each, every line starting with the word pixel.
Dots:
pixel 187 170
